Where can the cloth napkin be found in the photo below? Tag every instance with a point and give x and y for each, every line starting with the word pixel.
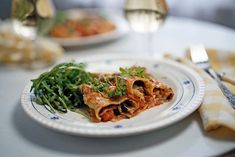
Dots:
pixel 215 110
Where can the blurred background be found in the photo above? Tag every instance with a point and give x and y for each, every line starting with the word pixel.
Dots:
pixel 216 11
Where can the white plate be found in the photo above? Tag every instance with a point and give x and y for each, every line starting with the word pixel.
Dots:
pixel 187 85
pixel 115 17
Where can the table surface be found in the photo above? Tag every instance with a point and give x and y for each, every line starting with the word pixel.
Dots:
pixel 21 136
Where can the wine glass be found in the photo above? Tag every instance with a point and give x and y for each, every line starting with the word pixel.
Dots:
pixel 29 15
pixel 146 16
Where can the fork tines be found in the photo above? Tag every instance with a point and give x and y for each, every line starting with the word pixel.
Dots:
pixel 198 54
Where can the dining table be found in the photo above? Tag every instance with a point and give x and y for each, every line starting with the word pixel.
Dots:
pixel 22 136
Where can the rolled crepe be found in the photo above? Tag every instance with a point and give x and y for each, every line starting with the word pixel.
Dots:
pixel 141 94
pixel 103 108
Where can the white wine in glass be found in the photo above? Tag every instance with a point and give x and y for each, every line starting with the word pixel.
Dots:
pixel 145 16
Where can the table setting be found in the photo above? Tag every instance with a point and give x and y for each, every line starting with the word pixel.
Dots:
pixel 181 102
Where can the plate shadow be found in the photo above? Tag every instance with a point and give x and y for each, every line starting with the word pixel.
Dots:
pixel 53 140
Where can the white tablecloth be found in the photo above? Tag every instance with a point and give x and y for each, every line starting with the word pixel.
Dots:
pixel 21 136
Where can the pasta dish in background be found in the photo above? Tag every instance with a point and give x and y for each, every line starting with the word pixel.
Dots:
pixel 83 25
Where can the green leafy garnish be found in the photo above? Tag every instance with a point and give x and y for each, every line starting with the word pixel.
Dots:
pixel 44 25
pixel 60 17
pixel 99 85
pixel 120 89
pixel 133 71
pixel 60 87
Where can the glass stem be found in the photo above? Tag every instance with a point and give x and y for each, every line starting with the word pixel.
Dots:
pixel 149 44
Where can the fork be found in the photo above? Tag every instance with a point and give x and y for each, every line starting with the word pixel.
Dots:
pixel 200 58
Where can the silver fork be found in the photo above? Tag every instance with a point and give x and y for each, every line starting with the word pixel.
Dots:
pixel 200 58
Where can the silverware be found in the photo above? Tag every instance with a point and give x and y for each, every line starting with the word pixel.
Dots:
pixel 226 79
pixel 222 77
pixel 200 58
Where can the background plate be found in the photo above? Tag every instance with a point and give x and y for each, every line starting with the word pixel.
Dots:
pixel 115 17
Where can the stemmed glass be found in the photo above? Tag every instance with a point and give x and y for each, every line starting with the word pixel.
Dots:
pixel 146 16
pixel 30 14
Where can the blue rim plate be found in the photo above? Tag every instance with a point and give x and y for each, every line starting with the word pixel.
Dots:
pixel 187 85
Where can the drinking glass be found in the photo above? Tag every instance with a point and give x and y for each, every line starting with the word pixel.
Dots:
pixel 30 14
pixel 146 16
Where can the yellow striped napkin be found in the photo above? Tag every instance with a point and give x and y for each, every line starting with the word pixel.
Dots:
pixel 215 110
